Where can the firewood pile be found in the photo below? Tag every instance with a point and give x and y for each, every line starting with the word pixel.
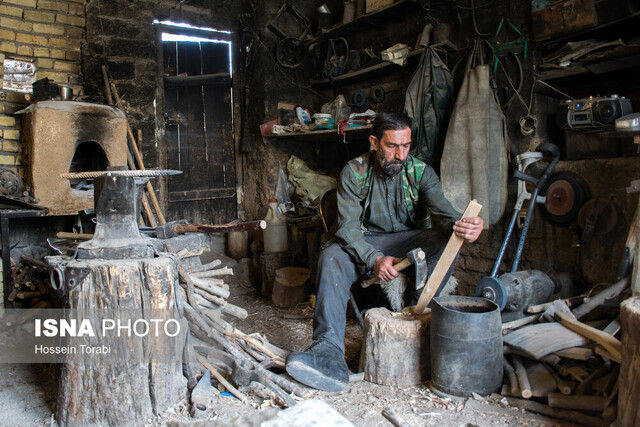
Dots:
pixel 564 362
pixel 31 284
pixel 241 363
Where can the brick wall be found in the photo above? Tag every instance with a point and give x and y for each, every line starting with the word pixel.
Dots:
pixel 49 33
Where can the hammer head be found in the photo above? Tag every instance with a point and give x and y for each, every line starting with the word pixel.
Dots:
pixel 167 230
pixel 418 259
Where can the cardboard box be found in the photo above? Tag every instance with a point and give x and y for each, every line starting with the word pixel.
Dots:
pixel 374 5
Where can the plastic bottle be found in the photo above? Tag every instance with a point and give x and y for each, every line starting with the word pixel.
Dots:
pixel 275 235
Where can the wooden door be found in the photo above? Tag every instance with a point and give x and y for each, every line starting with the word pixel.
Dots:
pixel 198 120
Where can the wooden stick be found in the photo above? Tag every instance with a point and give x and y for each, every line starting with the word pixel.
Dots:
pixel 511 375
pixel 394 418
pixel 145 203
pixel 74 236
pixel 507 326
pixel 221 379
pixel 213 273
pixel 210 287
pixel 444 263
pixel 523 379
pixel 565 387
pixel 107 89
pixel 611 292
pixel 611 344
pixel 136 152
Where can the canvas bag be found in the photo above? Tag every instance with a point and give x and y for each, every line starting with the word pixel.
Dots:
pixel 474 161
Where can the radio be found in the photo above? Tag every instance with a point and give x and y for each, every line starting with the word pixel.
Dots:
pixel 592 112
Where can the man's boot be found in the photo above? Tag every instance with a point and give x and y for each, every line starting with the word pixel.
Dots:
pixel 321 366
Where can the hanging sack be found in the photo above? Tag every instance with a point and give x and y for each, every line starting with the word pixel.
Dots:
pixel 474 159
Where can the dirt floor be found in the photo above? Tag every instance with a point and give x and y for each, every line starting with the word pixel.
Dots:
pixel 27 392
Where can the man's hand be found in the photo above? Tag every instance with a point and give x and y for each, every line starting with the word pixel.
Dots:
pixel 383 268
pixel 469 228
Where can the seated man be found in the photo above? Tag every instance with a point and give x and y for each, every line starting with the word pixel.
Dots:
pixel 385 202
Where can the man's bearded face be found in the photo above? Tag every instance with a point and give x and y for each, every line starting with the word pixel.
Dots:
pixel 392 150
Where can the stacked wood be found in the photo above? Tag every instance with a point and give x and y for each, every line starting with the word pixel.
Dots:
pixel 566 368
pixel 31 284
pixel 240 363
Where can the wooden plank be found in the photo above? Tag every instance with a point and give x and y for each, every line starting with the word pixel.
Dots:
pixel 537 341
pixel 446 259
pixel 218 78
pixel 576 353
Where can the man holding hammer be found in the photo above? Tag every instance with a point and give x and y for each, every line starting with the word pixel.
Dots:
pixel 386 201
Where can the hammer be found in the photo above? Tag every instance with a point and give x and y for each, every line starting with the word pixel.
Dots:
pixel 173 228
pixel 415 257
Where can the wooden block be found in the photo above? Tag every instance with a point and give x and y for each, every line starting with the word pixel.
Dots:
pixel 289 286
pixel 396 348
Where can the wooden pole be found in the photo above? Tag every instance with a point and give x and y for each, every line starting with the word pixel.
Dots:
pixel 138 157
pixel 629 386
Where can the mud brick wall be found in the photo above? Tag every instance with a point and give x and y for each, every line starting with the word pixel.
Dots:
pixel 47 33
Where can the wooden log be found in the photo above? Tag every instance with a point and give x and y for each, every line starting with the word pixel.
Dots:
pixel 579 402
pixel 388 335
pixel 136 387
pixel 222 380
pixel 576 353
pixel 205 267
pixel 289 286
pixel 510 373
pixel 563 414
pixel 523 379
pixel 541 380
pixel 214 273
pixel 565 387
pixel 611 344
pixel 629 386
pixel 210 287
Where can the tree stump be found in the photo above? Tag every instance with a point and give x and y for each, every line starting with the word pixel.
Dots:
pixel 629 387
pixel 140 376
pixel 290 286
pixel 396 348
pixel 269 263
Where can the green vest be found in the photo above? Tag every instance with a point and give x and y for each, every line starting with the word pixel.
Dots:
pixel 412 172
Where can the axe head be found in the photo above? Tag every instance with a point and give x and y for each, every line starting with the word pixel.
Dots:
pixel 418 259
pixel 167 230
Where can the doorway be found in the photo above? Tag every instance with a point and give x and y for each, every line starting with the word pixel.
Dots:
pixel 199 127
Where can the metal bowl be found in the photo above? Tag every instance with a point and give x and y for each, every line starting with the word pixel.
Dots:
pixel 65 92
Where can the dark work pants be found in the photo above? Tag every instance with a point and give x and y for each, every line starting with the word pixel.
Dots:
pixel 337 272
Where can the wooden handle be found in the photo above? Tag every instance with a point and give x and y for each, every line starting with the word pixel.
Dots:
pixel 397 267
pixel 612 345
pixel 222 228
pixel 523 378
pixel 74 236
pixel 446 259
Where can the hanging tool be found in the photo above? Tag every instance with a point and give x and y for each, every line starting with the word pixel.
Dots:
pixel 492 287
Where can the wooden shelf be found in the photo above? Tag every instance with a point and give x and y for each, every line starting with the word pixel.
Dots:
pixel 324 134
pixel 363 72
pixel 592 69
pixel 398 9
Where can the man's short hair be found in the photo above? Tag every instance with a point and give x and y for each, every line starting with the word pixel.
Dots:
pixel 389 121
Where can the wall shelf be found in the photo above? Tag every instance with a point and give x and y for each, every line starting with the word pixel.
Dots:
pixel 326 135
pixel 592 69
pixel 364 72
pixel 371 20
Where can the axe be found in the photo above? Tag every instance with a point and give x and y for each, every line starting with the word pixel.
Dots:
pixel 173 228
pixel 415 257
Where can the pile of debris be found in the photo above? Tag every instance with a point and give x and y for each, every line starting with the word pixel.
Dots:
pixel 556 356
pixel 240 363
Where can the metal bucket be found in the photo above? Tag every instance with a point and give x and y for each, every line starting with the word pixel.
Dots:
pixel 466 346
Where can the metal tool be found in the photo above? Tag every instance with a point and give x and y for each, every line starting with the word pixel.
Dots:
pixel 201 396
pixel 414 257
pixel 117 200
pixel 173 228
pixel 491 287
